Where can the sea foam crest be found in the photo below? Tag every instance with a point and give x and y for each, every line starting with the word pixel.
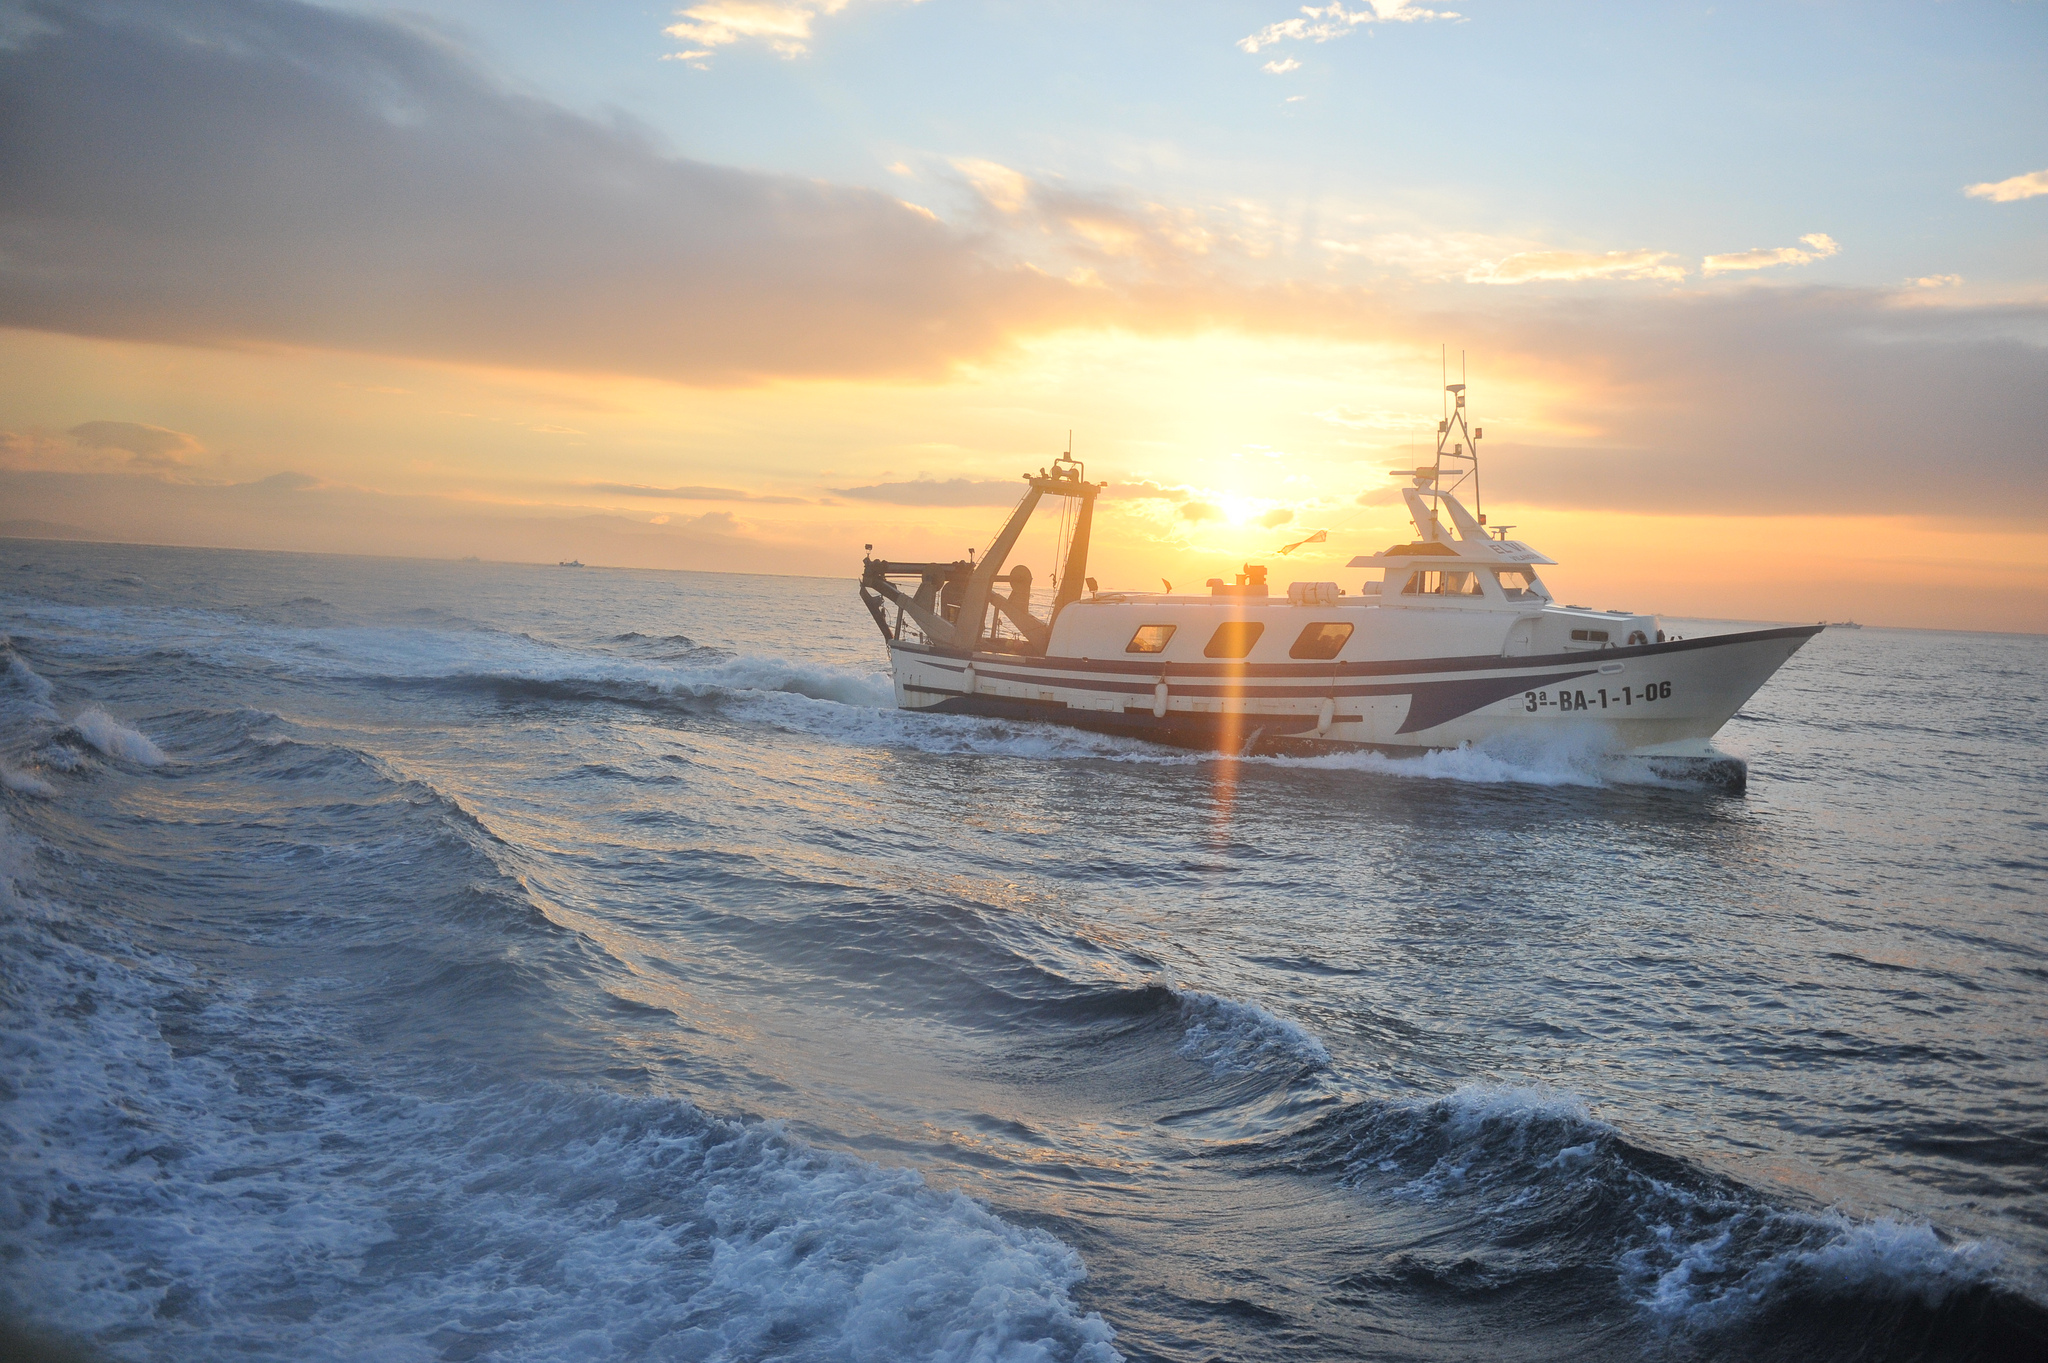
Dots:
pixel 23 693
pixel 1569 756
pixel 322 1215
pixel 1739 1266
pixel 1235 1038
pixel 116 739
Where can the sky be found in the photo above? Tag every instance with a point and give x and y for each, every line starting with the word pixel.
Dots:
pixel 1751 299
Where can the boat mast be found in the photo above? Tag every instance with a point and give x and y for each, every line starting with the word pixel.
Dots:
pixel 1462 453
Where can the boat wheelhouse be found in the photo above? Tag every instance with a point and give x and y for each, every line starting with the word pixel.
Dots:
pixel 1456 640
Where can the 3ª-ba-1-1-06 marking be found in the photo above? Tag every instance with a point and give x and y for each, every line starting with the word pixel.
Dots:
pixel 1599 699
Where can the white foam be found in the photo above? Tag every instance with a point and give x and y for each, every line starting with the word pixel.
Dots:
pixel 1566 756
pixel 1707 1284
pixel 26 695
pixel 1234 1038
pixel 196 1203
pixel 1471 1106
pixel 1497 1136
pixel 26 783
pixel 116 739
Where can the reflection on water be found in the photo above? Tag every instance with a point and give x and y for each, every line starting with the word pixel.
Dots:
pixel 508 963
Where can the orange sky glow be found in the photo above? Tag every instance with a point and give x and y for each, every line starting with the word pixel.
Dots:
pixel 540 335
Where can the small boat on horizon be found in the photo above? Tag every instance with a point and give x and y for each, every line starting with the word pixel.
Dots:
pixel 1843 624
pixel 1455 641
pixel 569 563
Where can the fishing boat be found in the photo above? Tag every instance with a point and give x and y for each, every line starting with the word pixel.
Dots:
pixel 1452 639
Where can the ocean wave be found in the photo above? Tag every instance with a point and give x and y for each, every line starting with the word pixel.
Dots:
pixel 115 739
pixel 25 696
pixel 1688 1248
pixel 26 783
pixel 326 1211
pixel 1236 1038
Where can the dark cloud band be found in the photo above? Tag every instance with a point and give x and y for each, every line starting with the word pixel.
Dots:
pixel 261 171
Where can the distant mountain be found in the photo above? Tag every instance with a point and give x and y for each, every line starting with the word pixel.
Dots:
pixel 44 530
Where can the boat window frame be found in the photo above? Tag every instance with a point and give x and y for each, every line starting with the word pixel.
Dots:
pixel 1251 630
pixel 1529 591
pixel 1415 587
pixel 1321 652
pixel 1137 634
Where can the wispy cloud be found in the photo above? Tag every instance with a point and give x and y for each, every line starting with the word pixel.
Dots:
pixel 1817 246
pixel 784 25
pixel 1321 23
pixel 2031 185
pixel 1006 190
pixel 688 494
pixel 936 492
pixel 155 447
pixel 1935 281
pixel 1529 267
pixel 1281 68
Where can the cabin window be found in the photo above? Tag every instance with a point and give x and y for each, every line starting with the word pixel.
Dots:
pixel 1589 636
pixel 1233 639
pixel 1518 583
pixel 1321 641
pixel 1442 584
pixel 1149 639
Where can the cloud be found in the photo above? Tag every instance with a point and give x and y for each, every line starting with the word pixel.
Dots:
pixel 931 492
pixel 1820 246
pixel 150 446
pixel 1935 281
pixel 785 25
pixel 2031 185
pixel 1278 516
pixel 1525 267
pixel 1281 68
pixel 1006 190
pixel 1791 401
pixel 689 494
pixel 1202 511
pixel 292 511
pixel 238 172
pixel 288 481
pixel 1321 24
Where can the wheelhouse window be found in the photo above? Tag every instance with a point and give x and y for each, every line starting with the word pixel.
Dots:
pixel 1518 583
pixel 1443 584
pixel 1321 641
pixel 1589 636
pixel 1233 639
pixel 1149 639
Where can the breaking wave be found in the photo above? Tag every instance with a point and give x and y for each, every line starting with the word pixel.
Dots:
pixel 526 1219
pixel 1235 1038
pixel 116 739
pixel 1690 1249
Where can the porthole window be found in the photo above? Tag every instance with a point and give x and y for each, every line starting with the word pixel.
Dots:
pixel 1321 641
pixel 1233 639
pixel 1149 639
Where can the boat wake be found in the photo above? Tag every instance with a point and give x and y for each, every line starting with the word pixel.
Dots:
pixel 556 1220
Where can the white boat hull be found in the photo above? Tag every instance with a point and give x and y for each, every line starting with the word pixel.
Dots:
pixel 1661 701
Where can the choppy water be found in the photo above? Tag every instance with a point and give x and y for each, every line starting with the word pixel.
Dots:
pixel 462 961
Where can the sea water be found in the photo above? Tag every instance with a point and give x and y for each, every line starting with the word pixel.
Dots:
pixel 420 961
